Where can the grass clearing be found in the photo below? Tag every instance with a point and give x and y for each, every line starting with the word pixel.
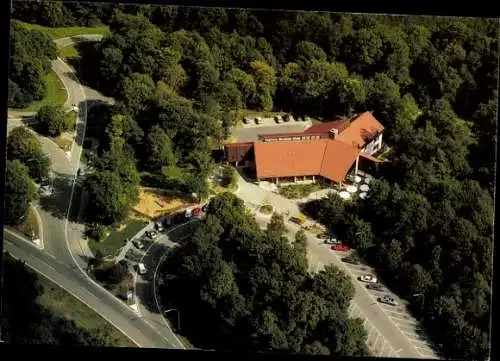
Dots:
pixel 29 227
pixel 111 245
pixel 56 93
pixel 63 32
pixel 63 142
pixel 69 52
pixel 63 304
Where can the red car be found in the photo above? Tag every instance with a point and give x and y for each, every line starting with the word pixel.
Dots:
pixel 196 212
pixel 340 247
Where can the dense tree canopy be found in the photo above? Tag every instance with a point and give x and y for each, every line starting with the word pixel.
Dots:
pixel 19 192
pixel 254 288
pixel 24 146
pixel 53 120
pixel 30 54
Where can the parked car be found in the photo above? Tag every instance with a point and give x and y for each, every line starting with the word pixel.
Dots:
pixel 138 244
pixel 340 247
pixel 307 119
pixel 196 212
pixel 332 241
pixel 246 120
pixel 258 120
pixel 159 226
pixel 368 278
pixel 278 119
pixel 188 213
pixel 141 268
pixel 388 300
pixel 204 207
pixel 287 118
pixel 375 287
pixel 74 108
pixel 151 234
pixel 350 260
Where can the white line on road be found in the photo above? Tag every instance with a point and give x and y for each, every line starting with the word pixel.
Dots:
pixel 78 298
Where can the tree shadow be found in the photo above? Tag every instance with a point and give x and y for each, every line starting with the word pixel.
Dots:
pixel 57 203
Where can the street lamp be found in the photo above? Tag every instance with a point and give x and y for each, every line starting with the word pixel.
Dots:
pixel 178 317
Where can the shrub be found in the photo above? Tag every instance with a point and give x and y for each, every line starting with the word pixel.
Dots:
pixel 96 231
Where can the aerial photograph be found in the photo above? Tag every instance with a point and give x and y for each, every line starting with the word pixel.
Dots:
pixel 243 180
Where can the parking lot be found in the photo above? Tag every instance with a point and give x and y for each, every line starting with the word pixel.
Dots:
pixel 250 132
pixel 399 315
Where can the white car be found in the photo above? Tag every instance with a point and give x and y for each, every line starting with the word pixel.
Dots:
pixel 141 268
pixel 388 299
pixel 368 278
pixel 74 108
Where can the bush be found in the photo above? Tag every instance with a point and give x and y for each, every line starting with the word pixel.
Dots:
pixel 111 274
pixel 96 231
pixel 228 177
pixel 266 209
pixel 295 191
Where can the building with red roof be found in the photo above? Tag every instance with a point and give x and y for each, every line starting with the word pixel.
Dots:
pixel 329 150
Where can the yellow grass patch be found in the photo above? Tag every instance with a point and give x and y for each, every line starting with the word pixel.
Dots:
pixel 155 203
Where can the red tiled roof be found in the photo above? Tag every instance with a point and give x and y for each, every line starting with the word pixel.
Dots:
pixel 363 128
pixel 337 160
pixel 323 128
pixel 326 157
pixel 289 158
pixel 235 152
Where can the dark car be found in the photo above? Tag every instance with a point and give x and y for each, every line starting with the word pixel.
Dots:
pixel 138 244
pixel 151 234
pixel 350 260
pixel 204 207
pixel 388 300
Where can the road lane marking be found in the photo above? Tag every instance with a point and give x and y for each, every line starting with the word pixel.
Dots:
pixel 77 297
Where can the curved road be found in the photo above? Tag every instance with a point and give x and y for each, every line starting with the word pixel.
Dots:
pixel 63 260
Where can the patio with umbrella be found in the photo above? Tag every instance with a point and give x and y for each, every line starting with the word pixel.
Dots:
pixel 344 195
pixel 364 188
pixel 351 188
pixel 357 179
pixel 362 195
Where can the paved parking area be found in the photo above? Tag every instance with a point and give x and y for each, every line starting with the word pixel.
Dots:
pixel 399 315
pixel 250 132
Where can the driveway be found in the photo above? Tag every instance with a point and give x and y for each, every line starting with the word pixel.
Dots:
pixel 145 285
pixel 250 132
pixel 391 331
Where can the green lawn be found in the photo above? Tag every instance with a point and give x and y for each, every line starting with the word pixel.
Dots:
pixel 56 93
pixel 29 225
pixel 57 33
pixel 69 52
pixel 65 305
pixel 111 245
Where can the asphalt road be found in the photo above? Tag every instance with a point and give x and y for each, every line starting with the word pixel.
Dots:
pixel 70 278
pixel 63 259
pixel 145 285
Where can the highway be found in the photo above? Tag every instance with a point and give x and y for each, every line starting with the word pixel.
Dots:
pixel 74 281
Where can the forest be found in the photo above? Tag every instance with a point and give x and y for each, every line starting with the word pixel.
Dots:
pixel 243 289
pixel 181 77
